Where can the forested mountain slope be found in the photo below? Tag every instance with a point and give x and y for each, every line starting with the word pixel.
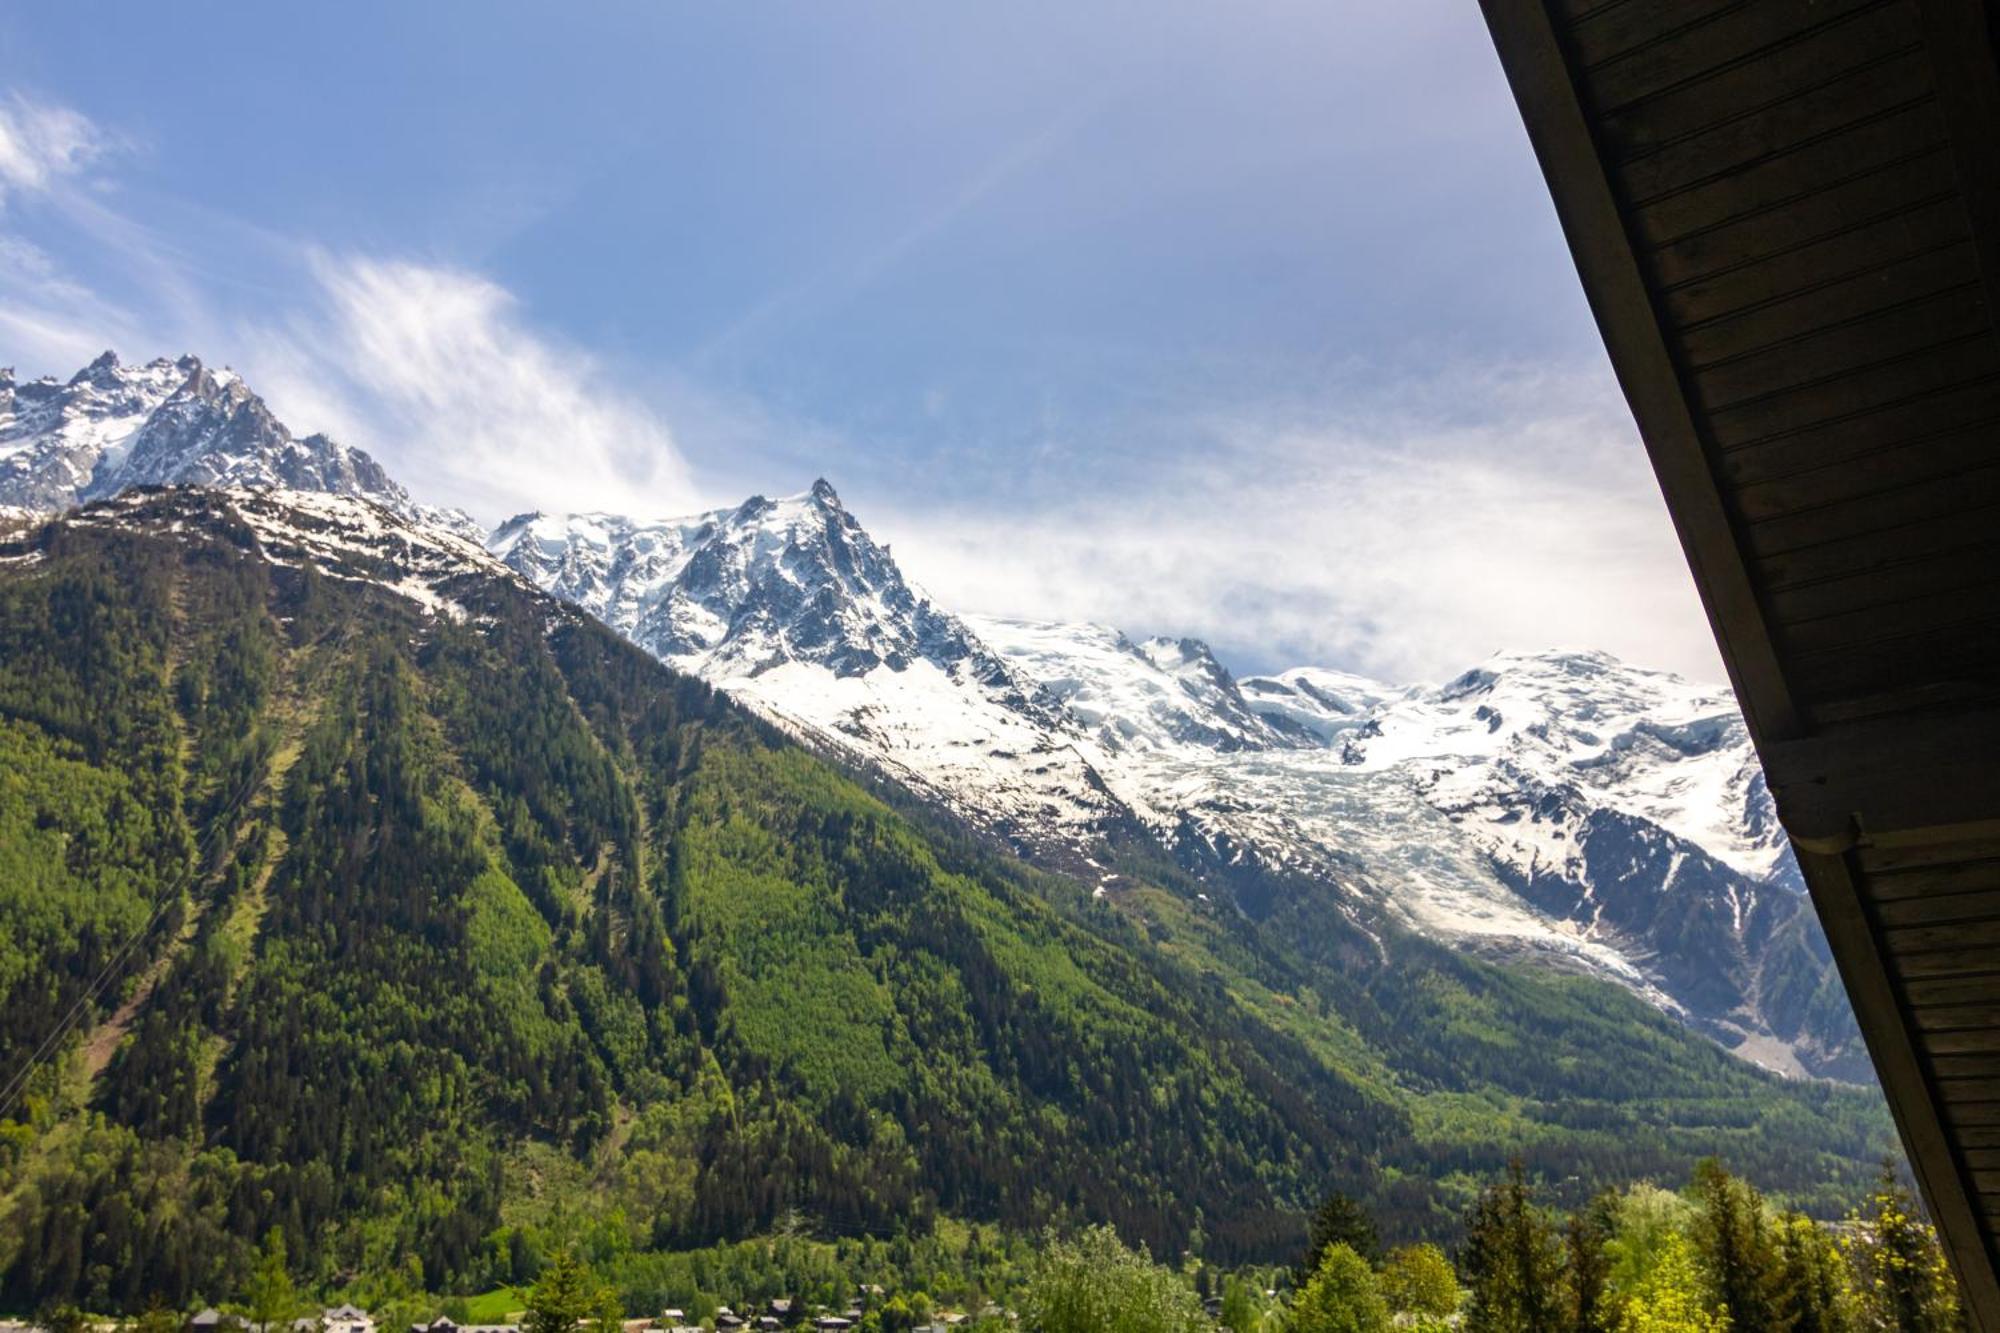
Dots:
pixel 447 899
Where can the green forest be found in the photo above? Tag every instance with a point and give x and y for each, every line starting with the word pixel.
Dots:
pixel 1711 1257
pixel 432 946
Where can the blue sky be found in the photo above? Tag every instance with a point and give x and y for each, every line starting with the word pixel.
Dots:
pixel 1247 321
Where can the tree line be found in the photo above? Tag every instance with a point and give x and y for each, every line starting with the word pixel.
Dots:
pixel 1715 1256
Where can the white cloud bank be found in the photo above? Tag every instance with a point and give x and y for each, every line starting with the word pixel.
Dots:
pixel 1401 541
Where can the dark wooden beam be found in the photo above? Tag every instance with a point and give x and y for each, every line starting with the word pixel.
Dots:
pixel 1898 767
pixel 1959 39
pixel 1887 776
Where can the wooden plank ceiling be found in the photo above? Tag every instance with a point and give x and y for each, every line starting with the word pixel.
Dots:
pixel 1786 216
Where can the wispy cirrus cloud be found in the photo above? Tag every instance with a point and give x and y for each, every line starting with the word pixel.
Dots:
pixel 41 143
pixel 435 368
pixel 441 373
pixel 46 314
pixel 47 318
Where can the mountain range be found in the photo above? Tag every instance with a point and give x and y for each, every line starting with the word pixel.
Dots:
pixel 405 887
pixel 1559 807
pixel 111 426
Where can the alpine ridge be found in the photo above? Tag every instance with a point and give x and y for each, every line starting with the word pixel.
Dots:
pixel 807 619
pixel 170 422
pixel 1560 808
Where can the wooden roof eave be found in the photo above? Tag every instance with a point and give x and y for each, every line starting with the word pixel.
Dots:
pixel 1917 777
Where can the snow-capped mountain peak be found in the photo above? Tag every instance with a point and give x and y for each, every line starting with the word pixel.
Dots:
pixel 743 591
pixel 112 426
pixel 793 607
pixel 1562 806
pixel 1155 693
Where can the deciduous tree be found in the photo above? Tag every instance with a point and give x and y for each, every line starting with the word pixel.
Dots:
pixel 1093 1284
pixel 1905 1283
pixel 1815 1292
pixel 1342 1296
pixel 1671 1298
pixel 1418 1280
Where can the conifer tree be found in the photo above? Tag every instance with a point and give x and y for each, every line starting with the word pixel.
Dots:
pixel 1514 1260
pixel 156 1318
pixel 1584 1240
pixel 1733 1244
pixel 1340 1220
pixel 269 1298
pixel 607 1314
pixel 562 1296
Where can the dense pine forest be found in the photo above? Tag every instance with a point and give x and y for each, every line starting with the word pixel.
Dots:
pixel 420 943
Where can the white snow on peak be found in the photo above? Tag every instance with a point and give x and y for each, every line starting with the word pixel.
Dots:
pixel 1322 701
pixel 1155 694
pixel 111 427
pixel 74 423
pixel 792 607
pixel 1642 742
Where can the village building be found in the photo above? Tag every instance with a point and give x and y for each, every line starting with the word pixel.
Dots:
pixel 445 1324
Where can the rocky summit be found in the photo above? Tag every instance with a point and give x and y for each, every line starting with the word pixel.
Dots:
pixel 110 427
